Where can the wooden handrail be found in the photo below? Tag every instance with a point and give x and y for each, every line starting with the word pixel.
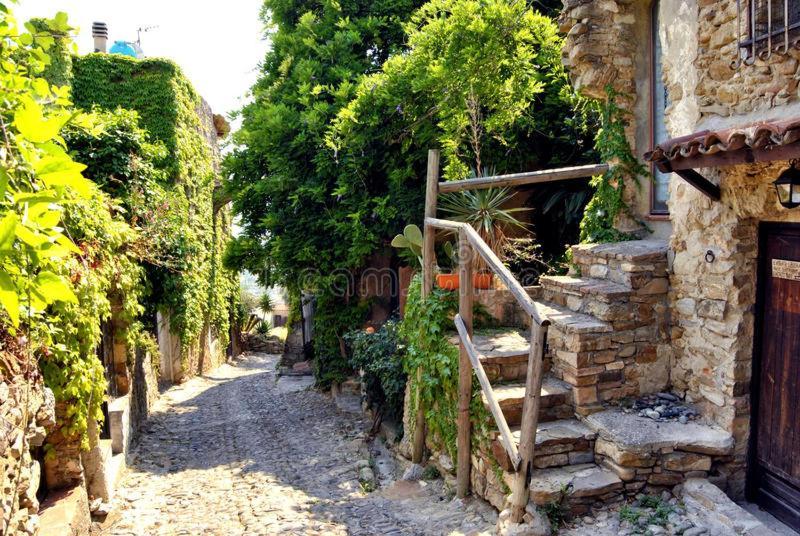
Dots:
pixel 486 386
pixel 518 179
pixel 495 264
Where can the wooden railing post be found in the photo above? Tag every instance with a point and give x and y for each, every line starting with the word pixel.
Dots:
pixel 530 421
pixel 428 268
pixel 465 297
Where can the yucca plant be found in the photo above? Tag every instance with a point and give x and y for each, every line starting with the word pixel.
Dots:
pixel 483 210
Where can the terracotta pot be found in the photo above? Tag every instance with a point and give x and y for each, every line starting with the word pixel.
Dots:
pixel 482 281
pixel 450 281
pixel 447 281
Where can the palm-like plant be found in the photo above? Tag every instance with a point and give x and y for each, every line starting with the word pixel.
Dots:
pixel 265 304
pixel 483 210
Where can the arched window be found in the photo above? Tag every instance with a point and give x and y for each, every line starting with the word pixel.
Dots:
pixel 659 100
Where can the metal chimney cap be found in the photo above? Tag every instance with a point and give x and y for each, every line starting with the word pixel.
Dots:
pixel 99 29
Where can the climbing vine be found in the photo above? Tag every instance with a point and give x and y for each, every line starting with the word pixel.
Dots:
pixel 173 198
pixel 426 331
pixel 608 203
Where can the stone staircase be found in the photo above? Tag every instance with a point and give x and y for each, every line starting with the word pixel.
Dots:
pixel 606 341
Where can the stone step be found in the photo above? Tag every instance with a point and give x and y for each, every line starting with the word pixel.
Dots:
pixel 599 289
pixel 572 322
pixel 504 352
pixel 584 485
pixel 640 265
pixel 558 443
pixel 598 298
pixel 556 400
pixel 648 453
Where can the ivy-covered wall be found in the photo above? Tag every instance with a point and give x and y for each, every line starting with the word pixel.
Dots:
pixel 189 282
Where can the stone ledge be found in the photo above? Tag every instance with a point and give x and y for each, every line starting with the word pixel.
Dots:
pixel 643 436
pixel 586 481
pixel 511 396
pixel 571 322
pixel 631 251
pixel 709 506
pixel 65 513
pixel 600 289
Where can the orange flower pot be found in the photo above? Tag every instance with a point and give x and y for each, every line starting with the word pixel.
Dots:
pixel 447 281
pixel 451 281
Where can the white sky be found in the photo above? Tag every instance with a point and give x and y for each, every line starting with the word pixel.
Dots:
pixel 219 45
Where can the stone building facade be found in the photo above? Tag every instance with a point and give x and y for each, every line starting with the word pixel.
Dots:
pixel 688 64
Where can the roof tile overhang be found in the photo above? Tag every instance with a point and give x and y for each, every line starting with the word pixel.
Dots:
pixel 764 141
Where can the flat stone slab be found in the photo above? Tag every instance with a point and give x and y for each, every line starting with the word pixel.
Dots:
pixel 633 250
pixel 571 322
pixel 642 435
pixel 586 480
pixel 496 345
pixel 512 394
pixel 559 432
pixel 601 289
pixel 708 506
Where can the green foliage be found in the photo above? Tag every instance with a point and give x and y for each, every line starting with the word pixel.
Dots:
pixel 608 203
pixel 62 247
pixel 430 473
pixel 380 356
pixel 304 215
pixel 424 332
pixel 154 155
pixel 410 245
pixel 557 510
pixel 483 210
pixel 482 80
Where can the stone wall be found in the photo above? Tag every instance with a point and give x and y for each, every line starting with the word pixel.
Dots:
pixel 713 302
pixel 723 91
pixel 607 43
pixel 21 474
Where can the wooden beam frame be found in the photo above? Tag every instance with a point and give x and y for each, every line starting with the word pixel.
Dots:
pixel 706 187
pixel 466 294
pixel 519 179
pixel 494 406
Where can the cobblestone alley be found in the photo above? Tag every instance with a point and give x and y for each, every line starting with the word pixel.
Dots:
pixel 236 452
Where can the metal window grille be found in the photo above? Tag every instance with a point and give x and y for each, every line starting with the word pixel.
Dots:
pixel 768 27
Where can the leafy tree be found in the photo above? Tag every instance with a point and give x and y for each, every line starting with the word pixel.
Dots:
pixel 304 220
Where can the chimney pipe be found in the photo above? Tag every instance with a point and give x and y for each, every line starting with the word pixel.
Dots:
pixel 100 34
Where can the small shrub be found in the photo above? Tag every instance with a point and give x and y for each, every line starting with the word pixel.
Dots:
pixel 379 356
pixel 430 473
pixel 557 510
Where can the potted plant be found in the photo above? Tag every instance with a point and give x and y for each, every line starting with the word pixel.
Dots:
pixel 483 210
pixel 450 280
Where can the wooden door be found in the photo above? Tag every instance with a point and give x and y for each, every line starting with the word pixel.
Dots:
pixel 775 450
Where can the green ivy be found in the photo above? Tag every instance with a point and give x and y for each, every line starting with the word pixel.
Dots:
pixel 608 203
pixel 379 355
pixel 173 196
pixel 425 331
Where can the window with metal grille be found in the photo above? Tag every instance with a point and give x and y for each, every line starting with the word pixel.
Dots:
pixel 772 26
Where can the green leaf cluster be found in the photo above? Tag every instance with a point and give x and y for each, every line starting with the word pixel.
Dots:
pixel 330 161
pixel 154 154
pixel 608 203
pixel 62 244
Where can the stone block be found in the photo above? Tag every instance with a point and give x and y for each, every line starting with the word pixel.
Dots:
pixel 686 461
pixel 621 456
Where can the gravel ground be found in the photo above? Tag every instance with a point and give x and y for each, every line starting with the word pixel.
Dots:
pixel 237 452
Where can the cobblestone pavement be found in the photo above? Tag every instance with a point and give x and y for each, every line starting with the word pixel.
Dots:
pixel 237 453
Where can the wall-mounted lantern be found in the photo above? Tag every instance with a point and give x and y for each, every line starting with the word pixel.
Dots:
pixel 788 186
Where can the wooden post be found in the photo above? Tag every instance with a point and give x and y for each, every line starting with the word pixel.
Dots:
pixel 530 421
pixel 428 267
pixel 465 297
pixel 429 237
